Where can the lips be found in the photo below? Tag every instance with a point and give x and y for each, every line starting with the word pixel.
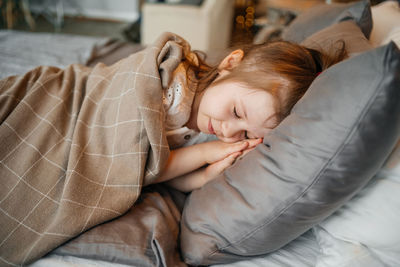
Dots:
pixel 210 127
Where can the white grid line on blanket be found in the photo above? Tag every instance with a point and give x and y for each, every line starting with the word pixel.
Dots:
pixel 36 149
pixel 37 240
pixel 90 207
pixel 20 178
pixel 114 155
pixel 55 106
pixel 85 147
pixel 71 92
pixel 23 140
pixel 139 73
pixel 140 144
pixel 30 250
pixel 8 262
pixel 127 72
pixel 161 147
pixel 44 119
pixel 150 109
pixel 129 89
pixel 140 158
pixel 23 181
pixel 107 126
pixel 121 95
pixel 100 184
pixel 29 213
pixel 19 223
pixel 113 145
pixel 57 97
pixel 45 89
pixel 34 208
pixel 29 228
pixel 149 171
pixel 91 133
pixel 59 234
pixel 37 115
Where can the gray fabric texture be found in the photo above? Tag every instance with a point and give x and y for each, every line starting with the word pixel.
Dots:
pixel 331 37
pixel 334 141
pixel 324 15
pixel 146 235
pixel 301 252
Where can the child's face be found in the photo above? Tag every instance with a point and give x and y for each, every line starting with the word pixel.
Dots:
pixel 233 112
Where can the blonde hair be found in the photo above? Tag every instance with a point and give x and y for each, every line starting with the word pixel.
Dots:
pixel 284 69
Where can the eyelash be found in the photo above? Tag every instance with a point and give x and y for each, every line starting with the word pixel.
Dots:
pixel 237 116
pixel 235 112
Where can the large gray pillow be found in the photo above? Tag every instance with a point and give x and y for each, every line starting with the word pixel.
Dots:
pixel 324 15
pixel 331 37
pixel 336 138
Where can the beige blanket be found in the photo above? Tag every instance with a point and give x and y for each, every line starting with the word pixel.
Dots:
pixel 77 145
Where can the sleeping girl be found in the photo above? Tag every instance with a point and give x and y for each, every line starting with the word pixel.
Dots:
pixel 239 102
pixel 78 144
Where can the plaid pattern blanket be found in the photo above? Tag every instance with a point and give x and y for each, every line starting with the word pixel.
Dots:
pixel 77 145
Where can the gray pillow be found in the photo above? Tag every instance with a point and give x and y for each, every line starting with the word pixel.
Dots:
pixel 336 138
pixel 324 15
pixel 347 31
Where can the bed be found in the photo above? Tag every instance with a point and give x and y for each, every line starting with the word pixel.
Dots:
pixel 360 229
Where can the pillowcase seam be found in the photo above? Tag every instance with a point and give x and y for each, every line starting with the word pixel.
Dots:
pixel 316 179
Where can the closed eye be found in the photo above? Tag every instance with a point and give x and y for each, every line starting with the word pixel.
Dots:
pixel 235 113
pixel 237 116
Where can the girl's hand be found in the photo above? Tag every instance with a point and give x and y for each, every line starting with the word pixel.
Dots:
pixel 216 151
pixel 213 170
pixel 220 155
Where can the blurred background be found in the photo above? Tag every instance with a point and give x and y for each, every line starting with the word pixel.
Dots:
pixel 206 24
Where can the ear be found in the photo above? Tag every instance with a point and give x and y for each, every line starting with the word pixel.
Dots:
pixel 232 60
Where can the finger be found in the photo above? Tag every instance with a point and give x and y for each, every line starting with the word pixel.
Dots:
pixel 234 155
pixel 239 146
pixel 228 161
pixel 253 142
pixel 220 166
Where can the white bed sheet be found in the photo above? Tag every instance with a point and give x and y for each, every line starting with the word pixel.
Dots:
pixel 23 51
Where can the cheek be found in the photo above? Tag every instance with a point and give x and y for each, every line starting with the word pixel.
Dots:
pixel 207 105
pixel 202 122
pixel 217 104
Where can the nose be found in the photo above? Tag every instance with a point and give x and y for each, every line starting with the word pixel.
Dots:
pixel 231 132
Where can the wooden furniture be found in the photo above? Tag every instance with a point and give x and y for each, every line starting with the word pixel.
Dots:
pixel 206 27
